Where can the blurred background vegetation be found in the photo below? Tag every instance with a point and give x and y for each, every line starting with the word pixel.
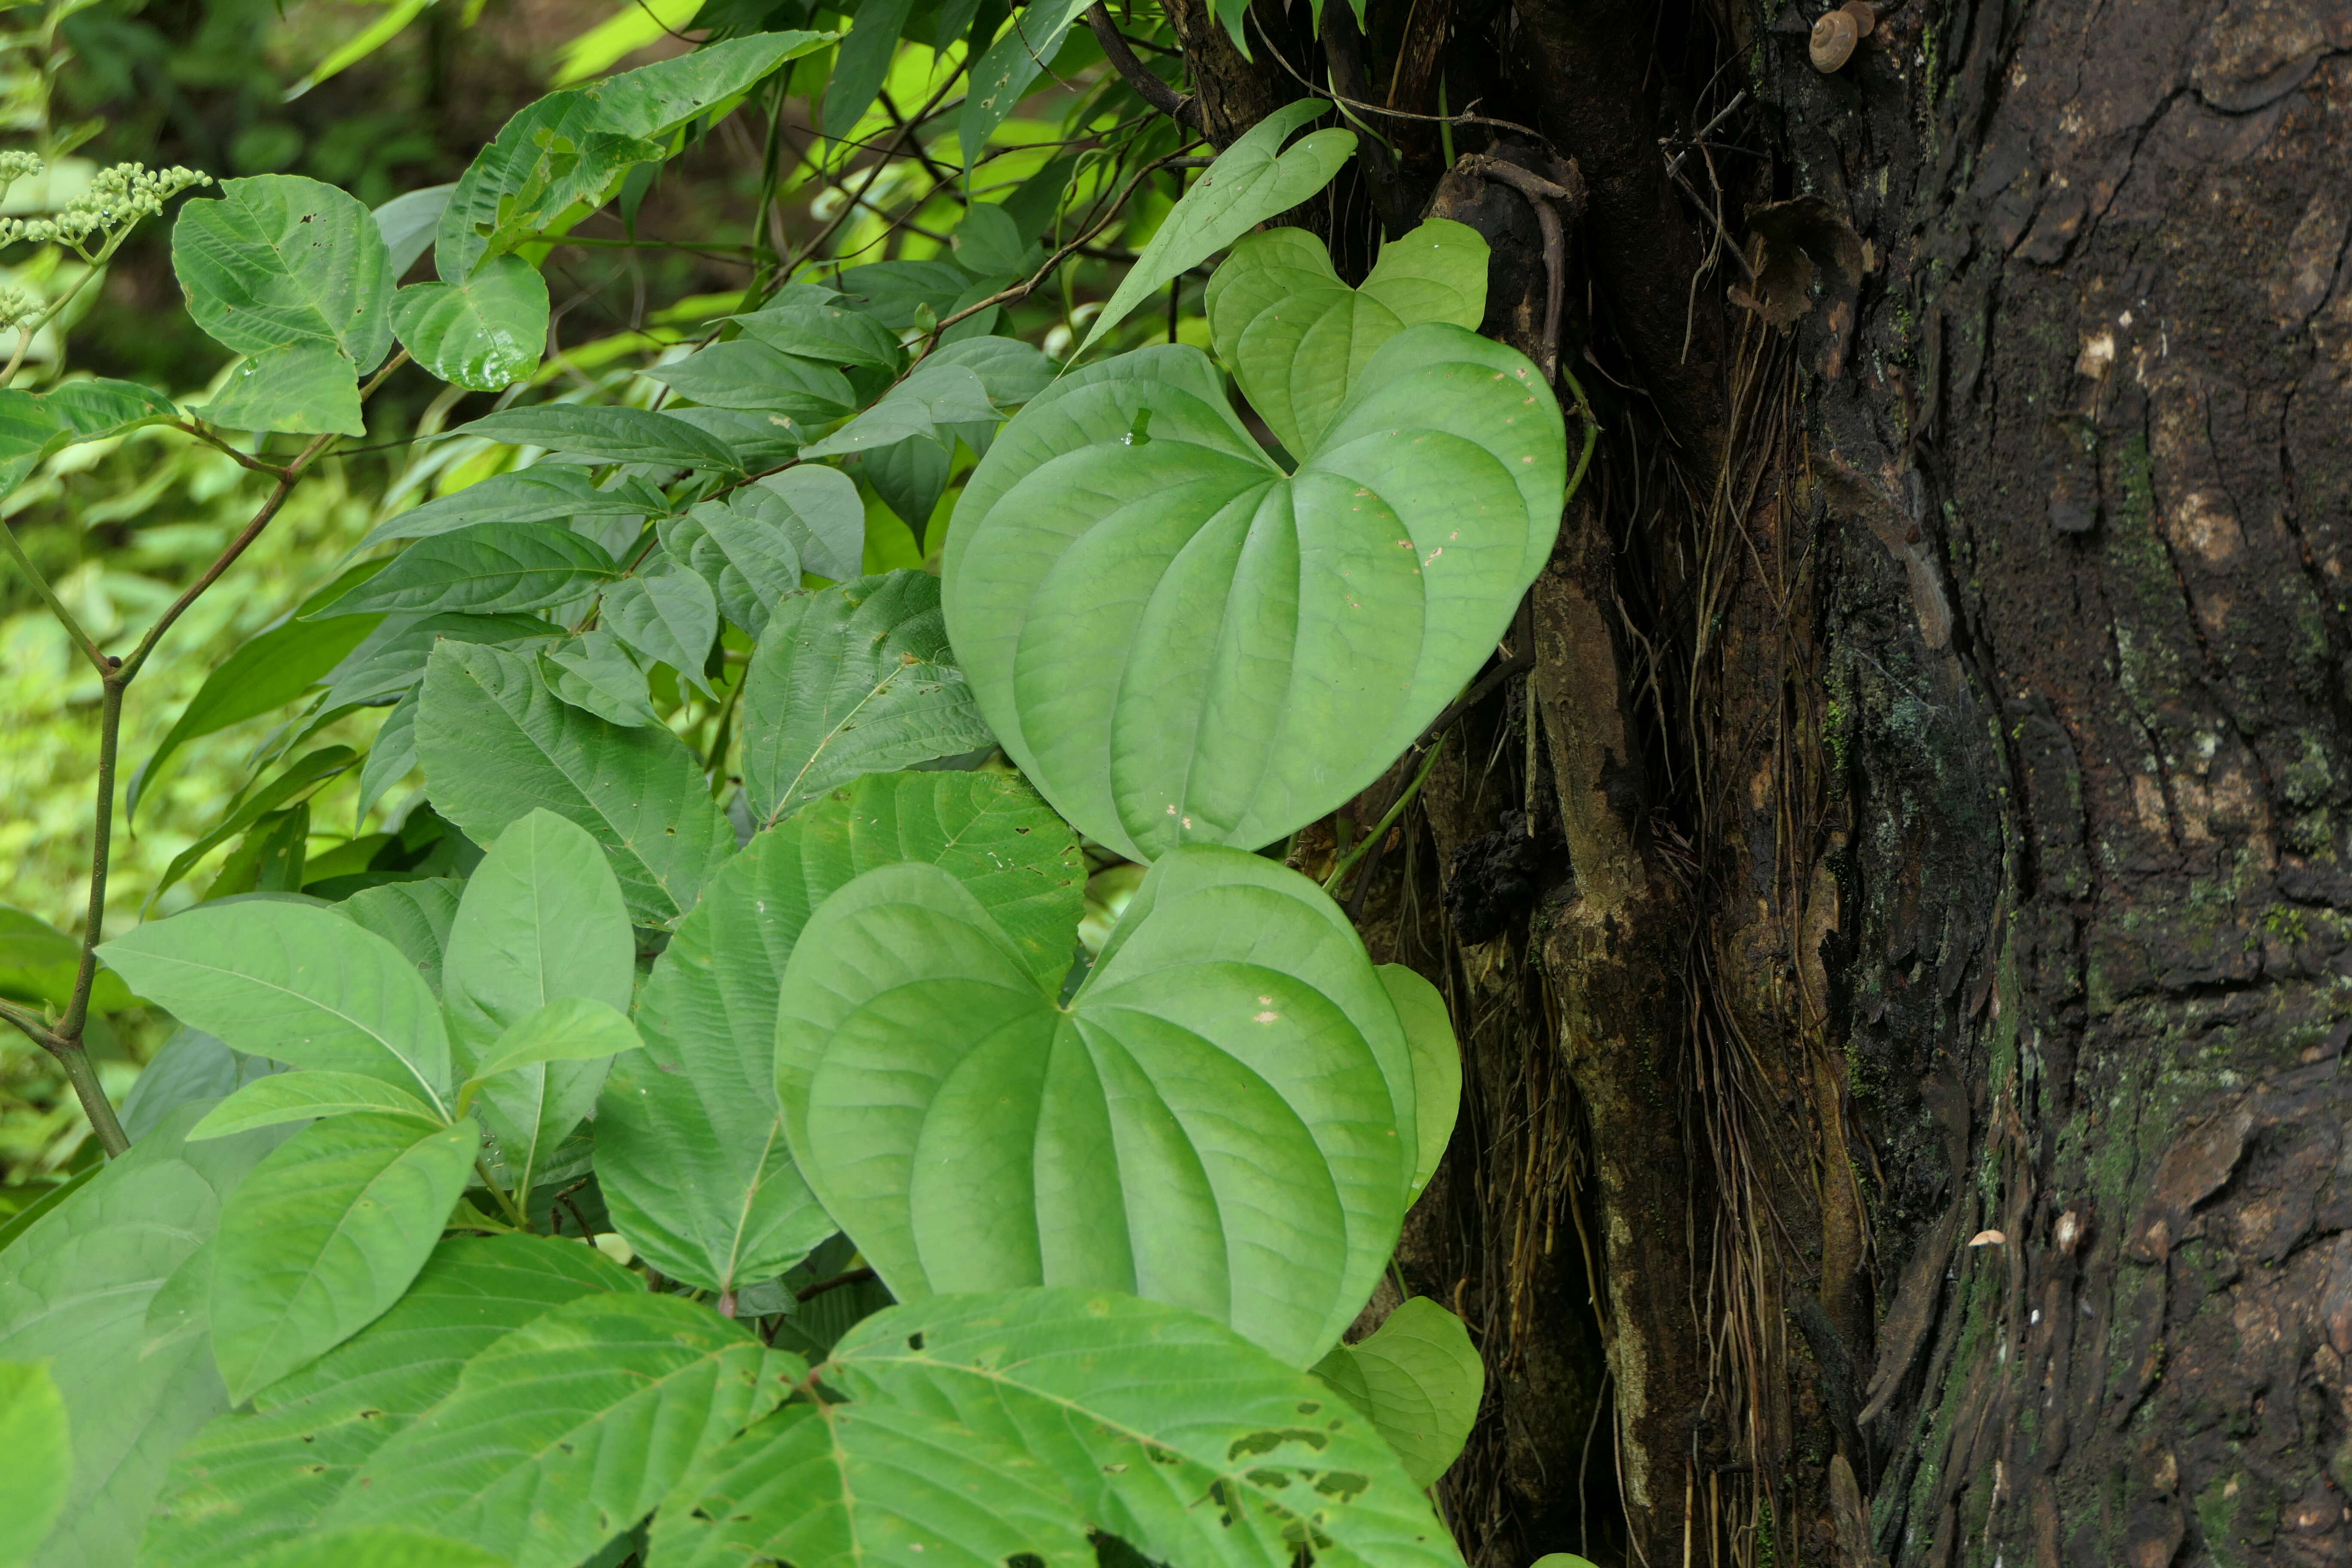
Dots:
pixel 384 99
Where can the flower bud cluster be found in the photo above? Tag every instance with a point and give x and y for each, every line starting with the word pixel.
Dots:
pixel 116 199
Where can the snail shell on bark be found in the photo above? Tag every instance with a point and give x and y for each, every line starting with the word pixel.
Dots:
pixel 1864 14
pixel 1834 37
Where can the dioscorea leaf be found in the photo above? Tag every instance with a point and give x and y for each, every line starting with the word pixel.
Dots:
pixel 1222 1118
pixel 1181 643
pixel 690 1152
pixel 568 1431
pixel 251 1478
pixel 1420 1380
pixel 1295 337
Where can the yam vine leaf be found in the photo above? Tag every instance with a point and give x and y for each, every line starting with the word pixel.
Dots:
pixel 691 1155
pixel 1221 1117
pixel 1182 643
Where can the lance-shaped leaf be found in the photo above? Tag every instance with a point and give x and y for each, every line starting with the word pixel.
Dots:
pixel 1179 642
pixel 756 378
pixel 811 328
pixel 279 260
pixel 690 1151
pixel 392 658
pixel 831 1485
pixel 75 1289
pixel 1004 73
pixel 853 679
pixel 250 1479
pixel 1252 180
pixel 569 149
pixel 1297 337
pixel 295 982
pixel 1419 1379
pixel 1164 1428
pixel 1220 1118
pixel 324 1235
pixel 33 1434
pixel 568 1431
pixel 497 744
pixel 483 570
pixel 547 492
pixel 268 671
pixel 568 1029
pixel 746 555
pixel 486 333
pixel 608 434
pixel 596 672
pixel 300 779
pixel 305 1096
pixel 542 925
pixel 669 617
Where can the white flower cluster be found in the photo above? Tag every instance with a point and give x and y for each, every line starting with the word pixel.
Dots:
pixel 18 309
pixel 16 166
pixel 116 199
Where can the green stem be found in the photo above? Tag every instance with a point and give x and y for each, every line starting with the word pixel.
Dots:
pixel 82 639
pixel 521 1220
pixel 1387 821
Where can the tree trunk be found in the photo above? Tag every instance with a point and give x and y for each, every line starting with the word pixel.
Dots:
pixel 1896 908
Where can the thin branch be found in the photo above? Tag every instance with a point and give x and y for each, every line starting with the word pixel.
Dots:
pixel 854 1276
pixel 1388 819
pixel 36 1027
pixel 1023 289
pixel 244 459
pixel 1182 108
pixel 82 639
pixel 1547 198
pixel 1364 108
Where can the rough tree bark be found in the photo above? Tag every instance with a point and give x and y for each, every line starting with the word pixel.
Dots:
pixel 1899 909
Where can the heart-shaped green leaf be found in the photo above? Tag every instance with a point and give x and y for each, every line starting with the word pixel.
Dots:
pixel 1296 336
pixel 1221 1117
pixel 689 1138
pixel 486 333
pixel 1420 1380
pixel 1177 642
